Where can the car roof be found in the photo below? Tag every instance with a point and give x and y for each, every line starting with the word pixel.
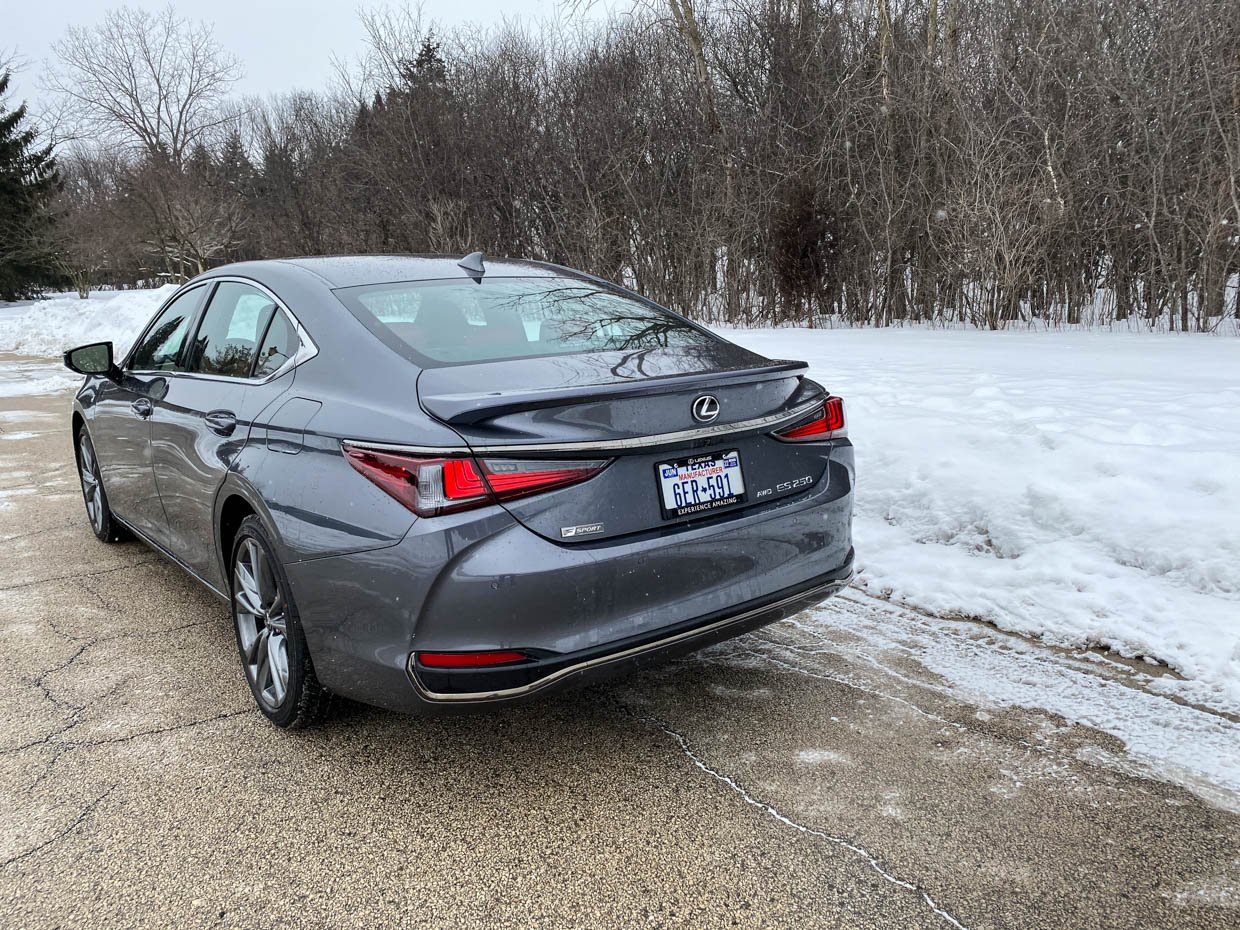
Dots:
pixel 352 270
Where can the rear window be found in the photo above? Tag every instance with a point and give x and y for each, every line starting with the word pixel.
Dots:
pixel 458 322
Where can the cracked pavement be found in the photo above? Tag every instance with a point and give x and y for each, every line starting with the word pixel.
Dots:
pixel 813 774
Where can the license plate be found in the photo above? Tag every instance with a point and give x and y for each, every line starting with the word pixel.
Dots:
pixel 700 484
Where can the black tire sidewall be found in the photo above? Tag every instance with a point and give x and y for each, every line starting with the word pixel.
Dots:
pixel 299 668
pixel 107 531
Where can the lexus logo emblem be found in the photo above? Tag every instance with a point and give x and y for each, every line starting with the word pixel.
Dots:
pixel 705 408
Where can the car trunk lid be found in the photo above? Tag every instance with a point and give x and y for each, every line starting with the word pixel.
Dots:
pixel 634 409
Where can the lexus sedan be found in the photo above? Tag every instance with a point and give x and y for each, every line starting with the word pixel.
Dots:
pixel 427 482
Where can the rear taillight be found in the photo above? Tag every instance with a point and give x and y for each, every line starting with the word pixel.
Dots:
pixel 432 486
pixel 509 478
pixel 828 423
pixel 427 486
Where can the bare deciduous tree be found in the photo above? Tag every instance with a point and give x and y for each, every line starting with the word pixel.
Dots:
pixel 148 81
pixel 1051 162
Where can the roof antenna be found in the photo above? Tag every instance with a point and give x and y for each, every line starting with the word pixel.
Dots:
pixel 473 264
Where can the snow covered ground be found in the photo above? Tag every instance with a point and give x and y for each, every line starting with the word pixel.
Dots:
pixel 1080 487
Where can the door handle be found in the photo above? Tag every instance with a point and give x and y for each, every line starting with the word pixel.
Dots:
pixel 142 407
pixel 222 422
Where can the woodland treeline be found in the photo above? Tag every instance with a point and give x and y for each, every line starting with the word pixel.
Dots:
pixel 754 161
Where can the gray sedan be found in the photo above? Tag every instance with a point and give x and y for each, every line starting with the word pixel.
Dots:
pixel 431 483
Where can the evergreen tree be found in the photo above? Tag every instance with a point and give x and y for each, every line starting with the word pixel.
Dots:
pixel 199 167
pixel 233 166
pixel 28 182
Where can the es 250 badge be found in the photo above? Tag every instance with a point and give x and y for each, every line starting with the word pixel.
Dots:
pixel 585 529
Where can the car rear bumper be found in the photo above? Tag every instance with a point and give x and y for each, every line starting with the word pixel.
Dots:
pixel 551 673
pixel 480 581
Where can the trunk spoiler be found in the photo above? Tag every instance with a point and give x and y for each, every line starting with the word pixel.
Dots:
pixel 439 394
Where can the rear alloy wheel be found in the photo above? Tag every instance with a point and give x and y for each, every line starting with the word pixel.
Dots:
pixel 269 638
pixel 97 510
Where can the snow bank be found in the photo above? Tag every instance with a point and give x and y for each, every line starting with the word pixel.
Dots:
pixel 1082 487
pixel 48 327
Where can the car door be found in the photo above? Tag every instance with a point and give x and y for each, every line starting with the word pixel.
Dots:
pixel 232 374
pixel 120 426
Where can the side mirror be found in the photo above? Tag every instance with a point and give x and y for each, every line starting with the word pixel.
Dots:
pixel 94 359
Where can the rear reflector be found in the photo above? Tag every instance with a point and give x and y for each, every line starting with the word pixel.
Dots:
pixel 432 486
pixel 827 424
pixel 470 659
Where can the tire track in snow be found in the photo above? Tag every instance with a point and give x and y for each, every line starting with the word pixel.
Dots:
pixel 1165 737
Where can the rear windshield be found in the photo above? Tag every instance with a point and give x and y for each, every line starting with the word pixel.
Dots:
pixel 458 322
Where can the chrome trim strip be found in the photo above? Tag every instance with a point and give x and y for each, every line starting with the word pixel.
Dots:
pixel 717 431
pixel 413 450
pixel 821 592
pixel 307 348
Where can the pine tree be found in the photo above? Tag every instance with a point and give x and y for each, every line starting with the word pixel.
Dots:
pixel 28 182
pixel 233 166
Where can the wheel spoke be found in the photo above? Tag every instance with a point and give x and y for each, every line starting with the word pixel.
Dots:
pixel 277 662
pixel 247 636
pixel 248 587
pixel 255 572
pixel 262 677
pixel 266 580
pixel 249 554
pixel 245 600
pixel 258 647
pixel 246 579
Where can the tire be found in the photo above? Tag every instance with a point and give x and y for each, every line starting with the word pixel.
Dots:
pixel 98 513
pixel 274 657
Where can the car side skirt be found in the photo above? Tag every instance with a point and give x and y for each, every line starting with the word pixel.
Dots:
pixel 160 550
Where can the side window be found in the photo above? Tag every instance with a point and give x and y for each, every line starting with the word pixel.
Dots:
pixel 227 338
pixel 279 345
pixel 160 347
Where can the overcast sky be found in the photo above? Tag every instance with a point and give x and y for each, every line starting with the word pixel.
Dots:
pixel 283 44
